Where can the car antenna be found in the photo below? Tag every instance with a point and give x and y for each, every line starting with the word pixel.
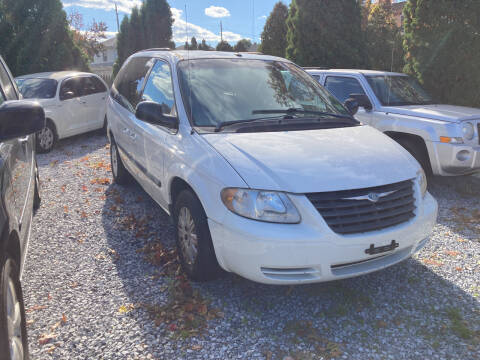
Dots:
pixel 188 64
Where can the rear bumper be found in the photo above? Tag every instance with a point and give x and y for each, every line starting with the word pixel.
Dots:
pixel 310 252
pixel 456 159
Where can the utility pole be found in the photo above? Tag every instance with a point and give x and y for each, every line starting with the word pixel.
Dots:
pixel 116 12
pixel 221 31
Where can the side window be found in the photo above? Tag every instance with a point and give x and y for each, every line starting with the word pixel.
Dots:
pixel 71 88
pixel 99 85
pixel 7 85
pixel 88 86
pixel 341 87
pixel 159 87
pixel 129 81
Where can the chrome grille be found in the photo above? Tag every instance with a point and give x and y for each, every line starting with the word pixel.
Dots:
pixel 351 211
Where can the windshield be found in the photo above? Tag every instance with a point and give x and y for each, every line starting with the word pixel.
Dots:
pixel 37 88
pixel 395 90
pixel 217 91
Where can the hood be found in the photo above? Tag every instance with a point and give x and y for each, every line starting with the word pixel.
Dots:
pixel 449 113
pixel 315 160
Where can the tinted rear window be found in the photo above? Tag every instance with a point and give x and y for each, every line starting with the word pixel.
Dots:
pixel 129 82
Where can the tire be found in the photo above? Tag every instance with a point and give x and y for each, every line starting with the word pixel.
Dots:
pixel 418 151
pixel 194 242
pixel 46 138
pixel 36 196
pixel 13 332
pixel 120 174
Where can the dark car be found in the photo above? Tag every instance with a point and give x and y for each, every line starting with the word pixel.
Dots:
pixel 19 196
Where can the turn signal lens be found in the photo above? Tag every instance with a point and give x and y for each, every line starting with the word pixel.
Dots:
pixel 451 140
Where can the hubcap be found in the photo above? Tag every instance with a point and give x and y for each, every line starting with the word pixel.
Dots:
pixel 187 236
pixel 14 319
pixel 46 137
pixel 113 150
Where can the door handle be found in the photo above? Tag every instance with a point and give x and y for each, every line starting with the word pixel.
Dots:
pixel 83 102
pixel 23 140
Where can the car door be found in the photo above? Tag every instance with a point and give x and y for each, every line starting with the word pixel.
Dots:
pixel 159 89
pixel 93 95
pixel 21 164
pixel 341 87
pixel 126 92
pixel 74 113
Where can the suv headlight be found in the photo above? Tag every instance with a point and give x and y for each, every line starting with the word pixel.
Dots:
pixel 468 131
pixel 269 206
pixel 422 181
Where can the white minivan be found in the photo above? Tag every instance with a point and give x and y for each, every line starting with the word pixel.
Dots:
pixel 264 173
pixel 74 103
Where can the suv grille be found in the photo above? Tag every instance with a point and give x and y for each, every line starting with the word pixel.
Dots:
pixel 351 211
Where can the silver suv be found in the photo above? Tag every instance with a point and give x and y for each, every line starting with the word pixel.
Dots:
pixel 443 138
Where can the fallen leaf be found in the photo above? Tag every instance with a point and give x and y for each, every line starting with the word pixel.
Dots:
pixel 52 349
pixel 197 347
pixel 63 188
pixel 84 188
pixel 36 307
pixel 124 309
pixel 46 338
pixel 452 253
pixel 64 318
pixel 74 284
pixel 53 163
pixel 83 215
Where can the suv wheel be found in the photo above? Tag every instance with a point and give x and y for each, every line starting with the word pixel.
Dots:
pixel 46 138
pixel 120 174
pixel 194 243
pixel 13 332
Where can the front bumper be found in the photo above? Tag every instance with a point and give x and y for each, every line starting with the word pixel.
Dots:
pixel 454 159
pixel 309 251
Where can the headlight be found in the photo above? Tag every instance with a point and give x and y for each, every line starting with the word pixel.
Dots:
pixel 422 181
pixel 270 206
pixel 468 131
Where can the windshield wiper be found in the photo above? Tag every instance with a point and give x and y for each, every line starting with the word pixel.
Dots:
pixel 294 111
pixel 223 124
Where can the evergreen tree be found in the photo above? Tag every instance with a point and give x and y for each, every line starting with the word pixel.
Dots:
pixel 35 37
pixel 157 21
pixel 147 27
pixel 224 46
pixel 203 46
pixel 274 35
pixel 325 33
pixel 242 45
pixel 193 44
pixel 442 46
pixel 383 38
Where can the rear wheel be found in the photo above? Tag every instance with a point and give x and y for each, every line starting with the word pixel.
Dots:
pixel 418 150
pixel 13 332
pixel 194 242
pixel 120 174
pixel 46 138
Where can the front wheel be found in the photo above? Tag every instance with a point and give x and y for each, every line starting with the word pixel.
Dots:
pixel 194 242
pixel 13 332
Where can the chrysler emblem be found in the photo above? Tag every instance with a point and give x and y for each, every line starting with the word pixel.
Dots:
pixel 373 197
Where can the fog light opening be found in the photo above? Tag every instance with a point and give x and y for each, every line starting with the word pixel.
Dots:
pixel 463 155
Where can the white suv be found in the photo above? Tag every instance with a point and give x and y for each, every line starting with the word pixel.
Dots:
pixel 443 138
pixel 263 171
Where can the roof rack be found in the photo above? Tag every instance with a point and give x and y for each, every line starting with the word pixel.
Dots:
pixel 315 68
pixel 157 49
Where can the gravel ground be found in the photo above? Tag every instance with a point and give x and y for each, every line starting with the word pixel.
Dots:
pixel 94 288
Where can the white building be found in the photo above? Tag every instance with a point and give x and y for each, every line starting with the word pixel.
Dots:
pixel 102 63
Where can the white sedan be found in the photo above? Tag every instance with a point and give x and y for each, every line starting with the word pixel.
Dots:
pixel 74 103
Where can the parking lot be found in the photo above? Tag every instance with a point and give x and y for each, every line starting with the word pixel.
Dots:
pixel 102 282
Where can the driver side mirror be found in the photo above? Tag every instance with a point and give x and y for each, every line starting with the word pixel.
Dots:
pixel 351 105
pixel 152 113
pixel 20 118
pixel 362 100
